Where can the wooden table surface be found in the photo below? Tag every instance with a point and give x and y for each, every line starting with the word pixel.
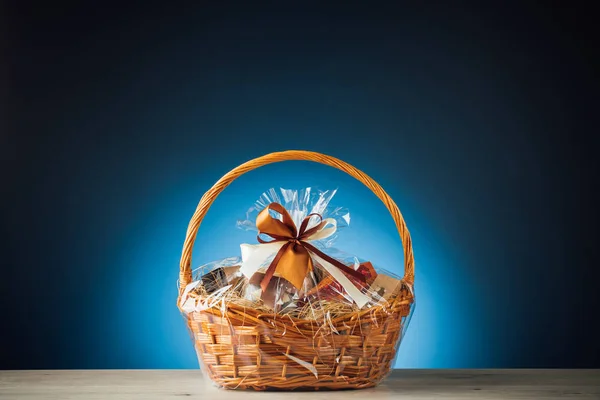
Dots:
pixel 402 384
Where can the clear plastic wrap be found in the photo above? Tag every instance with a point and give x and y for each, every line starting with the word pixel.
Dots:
pixel 292 311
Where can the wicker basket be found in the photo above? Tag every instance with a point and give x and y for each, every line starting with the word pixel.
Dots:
pixel 241 348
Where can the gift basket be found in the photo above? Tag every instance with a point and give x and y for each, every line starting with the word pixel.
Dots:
pixel 292 311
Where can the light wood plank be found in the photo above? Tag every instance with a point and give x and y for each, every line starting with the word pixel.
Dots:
pixel 402 384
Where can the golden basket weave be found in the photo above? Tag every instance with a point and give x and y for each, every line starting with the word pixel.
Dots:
pixel 243 348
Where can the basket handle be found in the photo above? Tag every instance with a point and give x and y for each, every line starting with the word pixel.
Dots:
pixel 185 273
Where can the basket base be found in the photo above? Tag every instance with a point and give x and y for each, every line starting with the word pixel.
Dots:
pixel 303 382
pixel 286 385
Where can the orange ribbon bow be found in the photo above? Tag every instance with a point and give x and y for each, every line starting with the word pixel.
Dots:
pixel 293 260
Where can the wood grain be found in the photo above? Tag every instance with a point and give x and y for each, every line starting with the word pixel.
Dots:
pixel 402 384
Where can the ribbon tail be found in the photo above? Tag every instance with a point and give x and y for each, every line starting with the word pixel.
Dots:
pixel 335 262
pixel 273 266
pixel 359 298
pixel 254 256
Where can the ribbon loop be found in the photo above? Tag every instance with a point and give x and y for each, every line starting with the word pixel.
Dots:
pixel 272 226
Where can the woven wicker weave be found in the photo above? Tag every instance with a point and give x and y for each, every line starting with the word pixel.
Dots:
pixel 242 348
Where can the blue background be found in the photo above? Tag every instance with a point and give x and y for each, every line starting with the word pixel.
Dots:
pixel 480 123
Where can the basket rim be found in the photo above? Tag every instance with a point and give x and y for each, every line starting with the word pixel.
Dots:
pixel 406 297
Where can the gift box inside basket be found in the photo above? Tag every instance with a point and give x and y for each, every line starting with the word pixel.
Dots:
pixel 291 311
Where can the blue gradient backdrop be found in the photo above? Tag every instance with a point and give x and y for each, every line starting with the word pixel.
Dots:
pixel 475 121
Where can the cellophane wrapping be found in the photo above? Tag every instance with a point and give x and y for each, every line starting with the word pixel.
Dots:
pixel 320 333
